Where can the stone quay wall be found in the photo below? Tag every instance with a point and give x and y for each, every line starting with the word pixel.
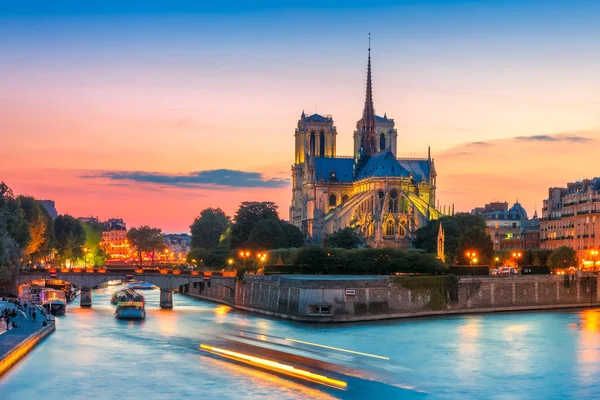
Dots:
pixel 362 298
pixel 22 348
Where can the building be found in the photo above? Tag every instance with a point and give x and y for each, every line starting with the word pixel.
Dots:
pixel 114 240
pixel 569 218
pixel 178 246
pixel 89 220
pixel 50 207
pixel 510 228
pixel 383 197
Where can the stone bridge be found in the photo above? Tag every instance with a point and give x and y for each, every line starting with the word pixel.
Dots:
pixel 167 281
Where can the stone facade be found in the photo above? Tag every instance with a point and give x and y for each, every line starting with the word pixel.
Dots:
pixel 571 218
pixel 384 197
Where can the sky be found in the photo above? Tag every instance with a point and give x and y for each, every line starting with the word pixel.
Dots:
pixel 153 110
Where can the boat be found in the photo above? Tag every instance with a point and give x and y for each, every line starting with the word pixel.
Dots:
pixel 113 283
pixel 130 310
pixel 54 301
pixel 70 291
pixel 126 295
pixel 141 286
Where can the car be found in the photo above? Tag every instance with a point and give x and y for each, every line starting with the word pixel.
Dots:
pixel 495 272
pixel 504 271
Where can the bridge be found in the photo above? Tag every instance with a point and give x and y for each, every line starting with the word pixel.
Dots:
pixel 167 280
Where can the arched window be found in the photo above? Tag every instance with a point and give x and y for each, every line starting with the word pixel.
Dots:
pixel 381 141
pixel 390 228
pixel 312 143
pixel 322 145
pixel 344 198
pixel 393 203
pixel 401 231
pixel 332 200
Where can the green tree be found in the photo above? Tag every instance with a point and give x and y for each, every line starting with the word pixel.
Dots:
pixel 198 256
pixel 346 238
pixel 70 238
pixel 246 217
pixel 266 234
pixel 292 236
pixel 563 257
pixel 209 227
pixel 33 213
pixel 146 240
pixel 475 239
pixel 95 255
pixel 218 256
pixel 15 224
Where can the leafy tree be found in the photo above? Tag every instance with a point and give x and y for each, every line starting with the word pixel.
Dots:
pixel 218 256
pixel 265 235
pixel 198 256
pixel 15 225
pixel 146 240
pixel 346 238
pixel 563 257
pixel 93 237
pixel 292 236
pixel 475 239
pixel 33 213
pixel 70 238
pixel 209 227
pixel 313 259
pixel 246 217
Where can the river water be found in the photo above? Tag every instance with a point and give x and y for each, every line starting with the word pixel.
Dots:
pixel 537 355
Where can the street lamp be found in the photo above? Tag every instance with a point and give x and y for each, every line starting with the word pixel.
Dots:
pixel 85 252
pixel 230 261
pixel 472 256
pixel 517 256
pixel 497 259
pixel 244 254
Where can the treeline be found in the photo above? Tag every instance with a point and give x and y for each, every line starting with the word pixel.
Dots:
pixel 256 227
pixel 28 235
pixel 328 260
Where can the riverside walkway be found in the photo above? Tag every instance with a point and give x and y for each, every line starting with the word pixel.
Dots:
pixel 16 342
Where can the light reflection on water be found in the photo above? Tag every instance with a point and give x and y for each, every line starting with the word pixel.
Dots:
pixel 528 355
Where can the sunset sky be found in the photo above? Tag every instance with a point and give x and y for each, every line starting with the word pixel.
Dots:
pixel 153 110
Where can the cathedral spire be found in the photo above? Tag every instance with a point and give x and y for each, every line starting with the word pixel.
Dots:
pixel 368 121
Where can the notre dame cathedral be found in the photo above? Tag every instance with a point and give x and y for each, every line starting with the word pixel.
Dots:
pixel 384 197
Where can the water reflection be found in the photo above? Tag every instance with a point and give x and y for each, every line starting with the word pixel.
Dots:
pixel 589 347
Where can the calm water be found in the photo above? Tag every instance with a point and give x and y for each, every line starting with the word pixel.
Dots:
pixel 504 356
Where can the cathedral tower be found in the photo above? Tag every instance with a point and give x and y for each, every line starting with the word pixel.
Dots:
pixel 365 138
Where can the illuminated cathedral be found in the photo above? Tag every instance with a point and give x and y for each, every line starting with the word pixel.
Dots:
pixel 382 196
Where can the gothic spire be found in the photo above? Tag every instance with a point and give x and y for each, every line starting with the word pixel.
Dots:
pixel 368 121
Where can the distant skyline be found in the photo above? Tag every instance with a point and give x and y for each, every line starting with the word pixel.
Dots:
pixel 152 111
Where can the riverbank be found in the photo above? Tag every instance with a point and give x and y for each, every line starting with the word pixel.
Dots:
pixel 18 342
pixel 322 298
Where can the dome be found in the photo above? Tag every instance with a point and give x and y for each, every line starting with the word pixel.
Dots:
pixel 518 211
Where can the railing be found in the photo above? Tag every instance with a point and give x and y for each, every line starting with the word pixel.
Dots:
pixel 131 271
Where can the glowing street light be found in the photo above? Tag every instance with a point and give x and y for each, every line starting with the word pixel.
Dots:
pixel 472 256
pixel 517 256
pixel 594 254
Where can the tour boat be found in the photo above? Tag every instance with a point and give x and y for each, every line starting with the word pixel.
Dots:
pixel 130 310
pixel 70 291
pixel 126 295
pixel 54 301
pixel 141 286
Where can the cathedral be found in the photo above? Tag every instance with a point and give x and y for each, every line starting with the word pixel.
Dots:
pixel 382 196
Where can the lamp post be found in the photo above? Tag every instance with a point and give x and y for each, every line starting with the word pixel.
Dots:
pixel 517 256
pixel 85 252
pixel 244 254
pixel 472 256
pixel 594 254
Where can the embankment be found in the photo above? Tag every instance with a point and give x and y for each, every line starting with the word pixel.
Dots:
pixel 326 298
pixel 16 344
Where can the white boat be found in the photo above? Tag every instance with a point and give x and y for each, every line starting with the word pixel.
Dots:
pixel 114 283
pixel 54 301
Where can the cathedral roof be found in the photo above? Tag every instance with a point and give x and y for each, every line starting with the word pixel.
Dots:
pixel 342 167
pixel 382 164
pixel 316 118
pixel 419 168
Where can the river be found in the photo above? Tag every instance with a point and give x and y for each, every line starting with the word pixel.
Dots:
pixel 496 356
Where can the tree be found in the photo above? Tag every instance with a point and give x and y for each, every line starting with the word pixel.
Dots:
pixel 266 234
pixel 209 227
pixel 563 257
pixel 15 225
pixel 93 237
pixel 292 236
pixel 146 240
pixel 33 213
pixel 346 238
pixel 198 256
pixel 246 217
pixel 475 239
pixel 70 238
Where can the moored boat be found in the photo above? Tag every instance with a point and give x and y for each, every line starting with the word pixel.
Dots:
pixel 126 295
pixel 113 283
pixel 54 301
